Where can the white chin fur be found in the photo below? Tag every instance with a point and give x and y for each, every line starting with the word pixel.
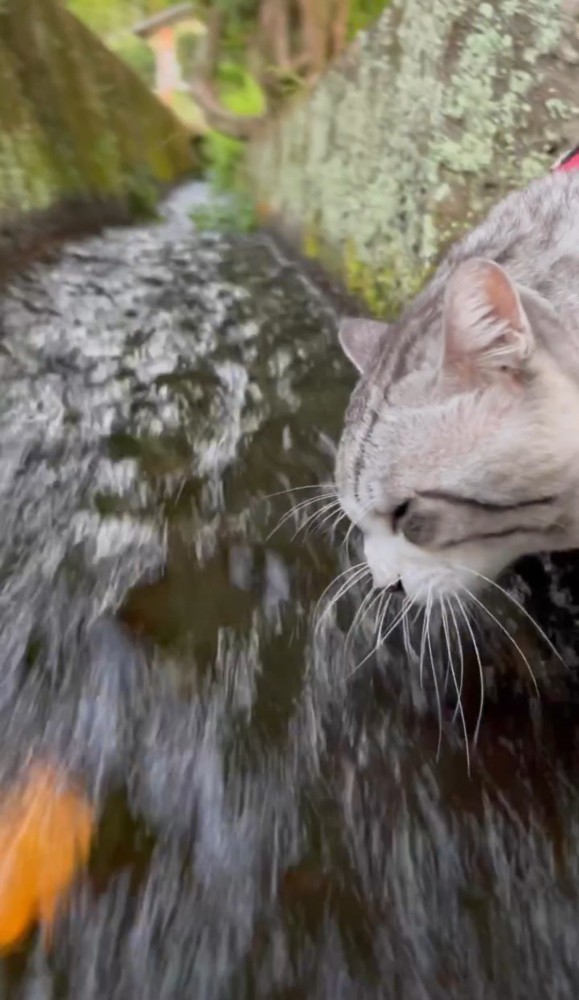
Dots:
pixel 428 575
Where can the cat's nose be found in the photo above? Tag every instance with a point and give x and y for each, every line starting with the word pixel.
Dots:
pixel 385 580
pixel 387 584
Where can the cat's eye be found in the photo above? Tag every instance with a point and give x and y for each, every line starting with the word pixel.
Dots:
pixel 398 513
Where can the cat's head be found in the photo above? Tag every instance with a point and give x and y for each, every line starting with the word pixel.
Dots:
pixel 456 466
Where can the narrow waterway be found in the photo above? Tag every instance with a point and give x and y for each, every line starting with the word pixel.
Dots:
pixel 274 818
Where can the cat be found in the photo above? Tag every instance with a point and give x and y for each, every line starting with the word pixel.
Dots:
pixel 460 447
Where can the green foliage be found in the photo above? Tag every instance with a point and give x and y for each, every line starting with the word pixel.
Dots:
pixel 187 47
pixel 188 111
pixel 240 26
pixel 363 13
pixel 137 54
pixel 239 12
pixel 108 16
pixel 234 213
pixel 240 93
pixel 223 157
pixel 239 90
pixel 104 16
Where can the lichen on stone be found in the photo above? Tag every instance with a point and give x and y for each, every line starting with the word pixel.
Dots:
pixel 431 116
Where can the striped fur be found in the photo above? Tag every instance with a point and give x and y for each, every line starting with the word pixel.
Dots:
pixel 466 413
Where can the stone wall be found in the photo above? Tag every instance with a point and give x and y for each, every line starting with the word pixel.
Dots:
pixel 428 119
pixel 81 137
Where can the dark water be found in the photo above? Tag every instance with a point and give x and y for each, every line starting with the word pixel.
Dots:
pixel 268 826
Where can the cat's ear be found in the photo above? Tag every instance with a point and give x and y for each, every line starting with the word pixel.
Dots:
pixel 360 340
pixel 485 325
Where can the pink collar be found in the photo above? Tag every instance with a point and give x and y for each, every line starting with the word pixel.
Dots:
pixel 569 161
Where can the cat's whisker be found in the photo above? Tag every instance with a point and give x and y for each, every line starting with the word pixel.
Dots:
pixel 302 505
pixel 360 611
pixel 330 531
pixel 460 708
pixel 382 612
pixel 408 604
pixel 319 512
pixel 339 576
pixel 381 618
pixel 446 675
pixel 320 520
pixel 509 636
pixel 406 634
pixel 342 590
pixel 351 582
pixel 327 511
pixel 436 688
pixel 354 524
pixel 425 625
pixel 375 647
pixel 464 614
pixel 377 631
pixel 346 588
pixel 371 597
pixel 520 607
pixel 419 611
pixel 295 510
pixel 296 489
pixel 334 525
pixel 348 534
pixel 460 653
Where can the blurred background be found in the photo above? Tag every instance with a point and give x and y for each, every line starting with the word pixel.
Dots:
pixel 370 134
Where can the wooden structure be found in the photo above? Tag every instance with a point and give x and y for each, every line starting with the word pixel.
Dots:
pixel 161 32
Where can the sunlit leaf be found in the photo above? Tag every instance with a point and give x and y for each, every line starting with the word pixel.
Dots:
pixel 45 836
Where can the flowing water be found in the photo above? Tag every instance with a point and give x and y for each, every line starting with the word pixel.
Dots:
pixel 272 821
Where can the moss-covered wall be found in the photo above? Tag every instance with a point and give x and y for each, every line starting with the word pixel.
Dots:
pixel 431 115
pixel 76 124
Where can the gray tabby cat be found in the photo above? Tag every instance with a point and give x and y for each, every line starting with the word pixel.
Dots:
pixel 460 450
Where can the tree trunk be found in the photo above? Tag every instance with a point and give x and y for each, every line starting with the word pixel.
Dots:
pixel 218 117
pixel 339 27
pixel 315 30
pixel 274 25
pixel 204 87
pixel 212 46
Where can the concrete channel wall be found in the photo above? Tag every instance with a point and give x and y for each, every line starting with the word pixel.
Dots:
pixel 430 116
pixel 82 139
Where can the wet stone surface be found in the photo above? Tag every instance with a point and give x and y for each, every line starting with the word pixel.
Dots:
pixel 272 821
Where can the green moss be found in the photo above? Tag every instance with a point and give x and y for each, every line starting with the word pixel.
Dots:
pixel 224 158
pixel 362 13
pixel 241 94
pixel 436 112
pixel 353 269
pixel 381 288
pixel 75 121
pixel 142 195
pixel 311 242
